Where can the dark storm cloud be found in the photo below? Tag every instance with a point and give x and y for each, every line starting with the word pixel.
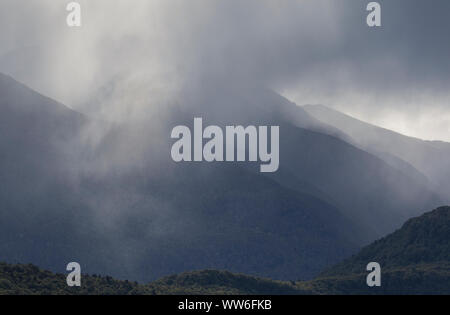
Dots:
pixel 317 51
pixel 414 36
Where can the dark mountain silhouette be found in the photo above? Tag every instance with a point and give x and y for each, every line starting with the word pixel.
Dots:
pixel 421 240
pixel 119 205
pixel 414 260
pixel 315 159
pixel 415 157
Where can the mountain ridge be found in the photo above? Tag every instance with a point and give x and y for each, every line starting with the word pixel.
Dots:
pixel 427 157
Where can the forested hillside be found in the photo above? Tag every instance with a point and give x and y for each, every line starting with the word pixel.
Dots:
pixel 414 260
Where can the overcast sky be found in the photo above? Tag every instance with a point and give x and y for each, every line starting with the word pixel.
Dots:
pixel 311 51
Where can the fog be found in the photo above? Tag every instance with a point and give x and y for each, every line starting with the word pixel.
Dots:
pixel 128 56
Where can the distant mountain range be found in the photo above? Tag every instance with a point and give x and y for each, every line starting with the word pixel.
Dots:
pixel 414 259
pixel 415 157
pixel 109 197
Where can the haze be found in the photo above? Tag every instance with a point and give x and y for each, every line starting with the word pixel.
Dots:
pixel 313 52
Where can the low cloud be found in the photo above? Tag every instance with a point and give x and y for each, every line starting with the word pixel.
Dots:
pixel 142 53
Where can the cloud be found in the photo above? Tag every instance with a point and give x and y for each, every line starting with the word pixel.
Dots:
pixel 313 51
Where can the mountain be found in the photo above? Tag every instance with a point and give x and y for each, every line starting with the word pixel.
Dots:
pixel 422 240
pixel 374 194
pixel 38 211
pixel 109 196
pixel 143 216
pixel 417 157
pixel 414 260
